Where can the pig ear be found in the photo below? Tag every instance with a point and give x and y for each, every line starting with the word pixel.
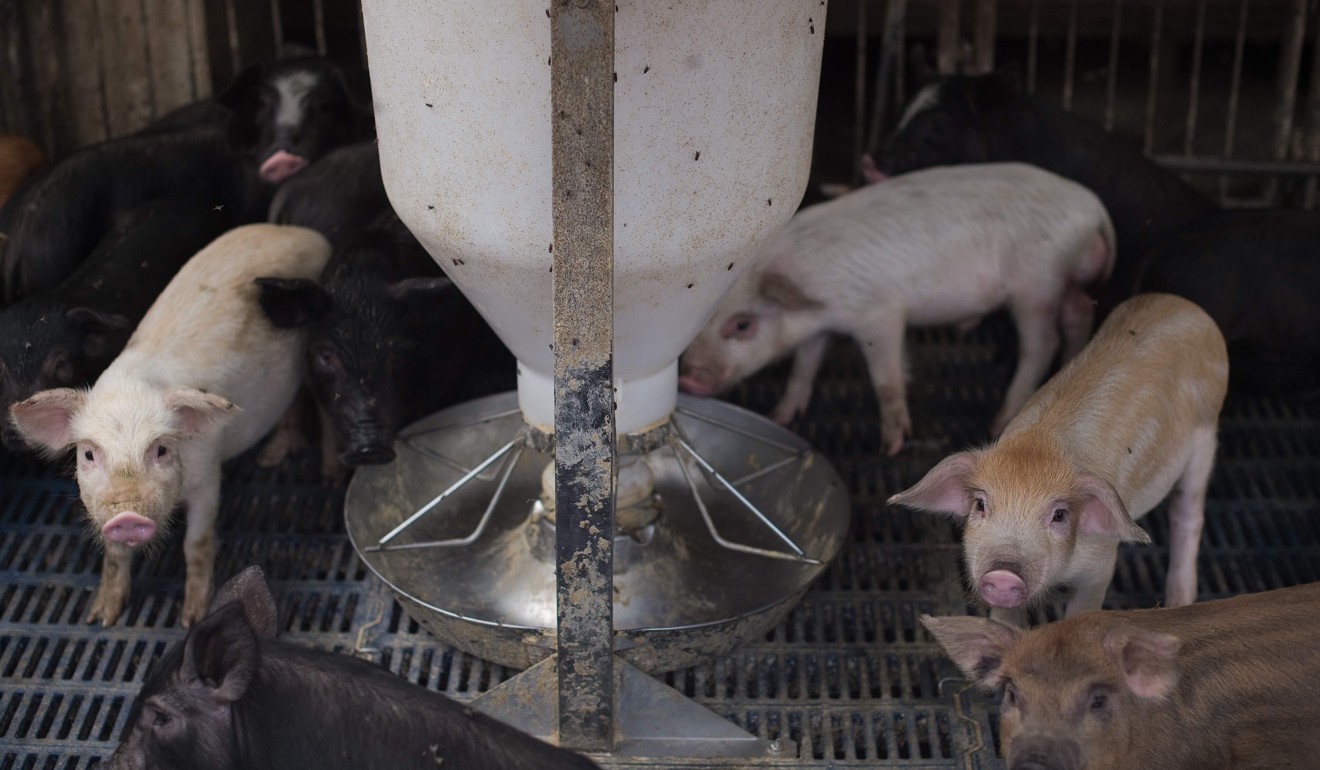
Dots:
pixel 292 302
pixel 1149 660
pixel 1104 514
pixel 196 409
pixel 778 289
pixel 44 418
pixel 243 88
pixel 976 645
pixel 943 489
pixel 98 328
pixel 871 172
pixel 248 590
pixel 220 654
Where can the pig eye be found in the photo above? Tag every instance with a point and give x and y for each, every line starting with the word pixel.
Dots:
pixel 1010 696
pixel 1099 701
pixel 88 456
pixel 161 719
pixel 741 326
pixel 978 505
pixel 1059 515
pixel 161 451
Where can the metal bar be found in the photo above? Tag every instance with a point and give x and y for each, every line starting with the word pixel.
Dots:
pixel 1234 92
pixel 1194 92
pixel 318 14
pixel 1290 66
pixel 949 57
pixel 481 523
pixel 277 28
pixel 457 485
pixel 1070 63
pixel 859 95
pixel 1152 92
pixel 987 16
pixel 1313 118
pixel 891 56
pixel 734 428
pixel 771 468
pixel 708 468
pixel 582 201
pixel 1111 86
pixel 710 522
pixel 1235 166
pixel 1033 46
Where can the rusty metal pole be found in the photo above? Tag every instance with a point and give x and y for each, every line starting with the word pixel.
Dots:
pixel 582 110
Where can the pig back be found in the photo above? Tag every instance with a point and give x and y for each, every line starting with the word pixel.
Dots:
pixel 942 244
pixel 1127 406
pixel 1249 679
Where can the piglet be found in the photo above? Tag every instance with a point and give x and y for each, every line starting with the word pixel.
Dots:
pixel 991 118
pixel 1098 446
pixel 153 430
pixel 67 336
pixel 942 246
pixel 1224 684
pixel 381 301
pixel 232 696
pixel 20 158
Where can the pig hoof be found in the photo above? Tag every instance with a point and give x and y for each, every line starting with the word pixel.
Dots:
pixel 105 609
pixel 194 609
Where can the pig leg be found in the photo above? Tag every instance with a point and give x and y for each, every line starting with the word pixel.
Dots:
pixel 1038 341
pixel 286 438
pixel 1186 518
pixel 203 501
pixel 1076 317
pixel 333 472
pixel 1096 573
pixel 112 592
pixel 882 344
pixel 797 394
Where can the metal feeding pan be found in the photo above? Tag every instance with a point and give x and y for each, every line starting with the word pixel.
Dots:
pixel 742 516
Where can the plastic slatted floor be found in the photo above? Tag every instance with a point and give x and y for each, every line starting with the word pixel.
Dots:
pixel 849 676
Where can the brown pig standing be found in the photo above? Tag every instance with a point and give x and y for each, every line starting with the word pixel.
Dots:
pixel 153 430
pixel 1233 683
pixel 1100 444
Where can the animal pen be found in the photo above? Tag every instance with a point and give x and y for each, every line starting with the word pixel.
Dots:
pixel 1225 91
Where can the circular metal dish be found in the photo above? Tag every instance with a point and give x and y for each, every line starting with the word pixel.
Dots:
pixel 682 592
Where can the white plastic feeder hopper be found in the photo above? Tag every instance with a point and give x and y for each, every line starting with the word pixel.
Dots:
pixel 714 103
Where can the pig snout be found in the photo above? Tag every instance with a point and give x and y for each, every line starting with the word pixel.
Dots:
pixel 1003 586
pixel 1044 753
pixel 128 528
pixel 699 381
pixel 281 165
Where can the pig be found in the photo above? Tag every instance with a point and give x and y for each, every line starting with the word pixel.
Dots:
pixel 20 158
pixel 380 300
pixel 1257 273
pixel 232 696
pixel 339 195
pixel 1098 446
pixel 983 118
pixel 153 430
pixel 67 336
pixel 1225 684
pixel 941 246
pixel 222 157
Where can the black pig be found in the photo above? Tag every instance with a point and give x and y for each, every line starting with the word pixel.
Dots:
pixel 231 696
pixel 987 118
pixel 380 299
pixel 1257 273
pixel 338 196
pixel 213 151
pixel 67 336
